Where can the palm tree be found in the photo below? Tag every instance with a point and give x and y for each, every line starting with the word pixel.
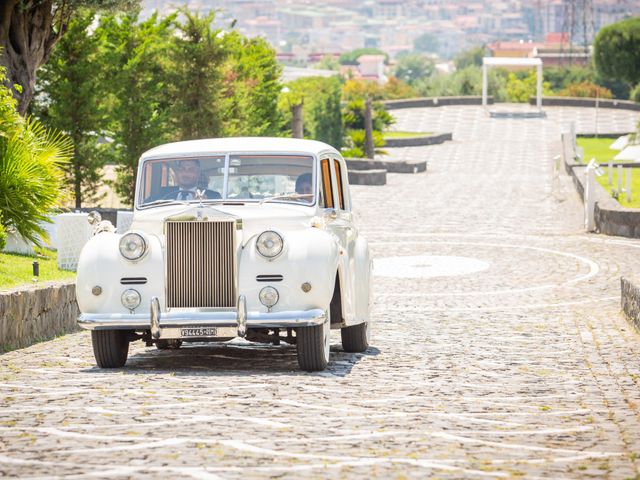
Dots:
pixel 31 173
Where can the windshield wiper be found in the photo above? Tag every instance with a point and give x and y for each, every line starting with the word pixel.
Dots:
pixel 286 195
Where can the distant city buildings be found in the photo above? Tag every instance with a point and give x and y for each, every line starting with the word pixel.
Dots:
pixel 304 31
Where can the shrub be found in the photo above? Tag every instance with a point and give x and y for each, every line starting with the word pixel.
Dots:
pixel 31 170
pixel 617 51
pixel 519 90
pixel 321 108
pixel 585 89
pixel 355 144
pixel 354 116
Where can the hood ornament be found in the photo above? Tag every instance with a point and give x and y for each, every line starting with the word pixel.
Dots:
pixel 200 195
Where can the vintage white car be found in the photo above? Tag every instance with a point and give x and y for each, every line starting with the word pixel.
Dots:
pixel 231 237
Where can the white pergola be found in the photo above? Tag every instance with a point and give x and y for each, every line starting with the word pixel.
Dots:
pixel 515 62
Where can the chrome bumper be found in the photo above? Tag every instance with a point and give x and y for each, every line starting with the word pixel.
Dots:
pixel 229 321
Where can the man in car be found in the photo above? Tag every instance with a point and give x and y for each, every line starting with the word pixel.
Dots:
pixel 187 174
pixel 304 185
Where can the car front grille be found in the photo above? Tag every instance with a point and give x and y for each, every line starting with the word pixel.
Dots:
pixel 201 264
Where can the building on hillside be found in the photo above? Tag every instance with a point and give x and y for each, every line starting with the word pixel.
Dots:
pixel 371 67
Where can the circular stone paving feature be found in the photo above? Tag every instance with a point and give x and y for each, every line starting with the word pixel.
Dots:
pixel 427 266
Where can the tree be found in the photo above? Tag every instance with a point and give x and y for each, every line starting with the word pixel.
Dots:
pixel 351 58
pixel 251 87
pixel 472 57
pixel 426 43
pixel 328 62
pixel 31 170
pixel 29 29
pixel 70 101
pixel 322 113
pixel 138 64
pixel 617 51
pixel 414 66
pixel 199 55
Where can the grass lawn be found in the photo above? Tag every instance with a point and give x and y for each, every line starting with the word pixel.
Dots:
pixel 17 269
pixel 405 134
pixel 635 185
pixel 598 148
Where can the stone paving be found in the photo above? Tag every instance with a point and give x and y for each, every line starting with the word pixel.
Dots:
pixel 511 361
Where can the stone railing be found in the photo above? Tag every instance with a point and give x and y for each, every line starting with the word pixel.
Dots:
pixel 586 102
pixel 433 102
pixel 34 313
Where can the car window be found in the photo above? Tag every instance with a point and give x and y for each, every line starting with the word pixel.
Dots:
pixel 178 179
pixel 327 189
pixel 336 164
pixel 288 178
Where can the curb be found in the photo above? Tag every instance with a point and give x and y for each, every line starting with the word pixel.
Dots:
pixel 367 177
pixel 403 166
pixel 419 141
pixel 630 297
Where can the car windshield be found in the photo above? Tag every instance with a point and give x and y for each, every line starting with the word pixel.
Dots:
pixel 259 178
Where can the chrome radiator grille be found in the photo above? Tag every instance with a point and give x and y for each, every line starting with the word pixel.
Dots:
pixel 201 264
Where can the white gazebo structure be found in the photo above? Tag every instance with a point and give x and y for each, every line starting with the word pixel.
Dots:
pixel 514 62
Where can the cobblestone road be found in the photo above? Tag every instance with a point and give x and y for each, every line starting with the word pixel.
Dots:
pixel 513 360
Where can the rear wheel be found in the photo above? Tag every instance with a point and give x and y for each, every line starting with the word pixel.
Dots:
pixel 313 345
pixel 355 339
pixel 110 347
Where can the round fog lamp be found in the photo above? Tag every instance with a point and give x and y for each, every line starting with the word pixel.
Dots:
pixel 130 299
pixel 132 246
pixel 269 244
pixel 269 296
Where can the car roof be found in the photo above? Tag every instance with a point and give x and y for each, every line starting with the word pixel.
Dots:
pixel 237 144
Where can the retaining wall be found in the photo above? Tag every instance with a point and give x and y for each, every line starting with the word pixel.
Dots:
pixel 34 313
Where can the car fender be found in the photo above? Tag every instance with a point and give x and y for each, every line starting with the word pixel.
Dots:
pixel 101 265
pixel 310 255
pixel 362 280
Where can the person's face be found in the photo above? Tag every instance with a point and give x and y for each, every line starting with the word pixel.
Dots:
pixel 305 188
pixel 187 174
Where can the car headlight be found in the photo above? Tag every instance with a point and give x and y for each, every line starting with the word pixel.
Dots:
pixel 269 244
pixel 130 299
pixel 269 296
pixel 132 246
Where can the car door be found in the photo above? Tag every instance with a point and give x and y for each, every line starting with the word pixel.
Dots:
pixel 339 221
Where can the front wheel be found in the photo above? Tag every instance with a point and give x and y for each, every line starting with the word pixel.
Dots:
pixel 355 339
pixel 313 345
pixel 110 347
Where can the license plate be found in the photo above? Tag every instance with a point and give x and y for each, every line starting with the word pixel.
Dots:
pixel 199 332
